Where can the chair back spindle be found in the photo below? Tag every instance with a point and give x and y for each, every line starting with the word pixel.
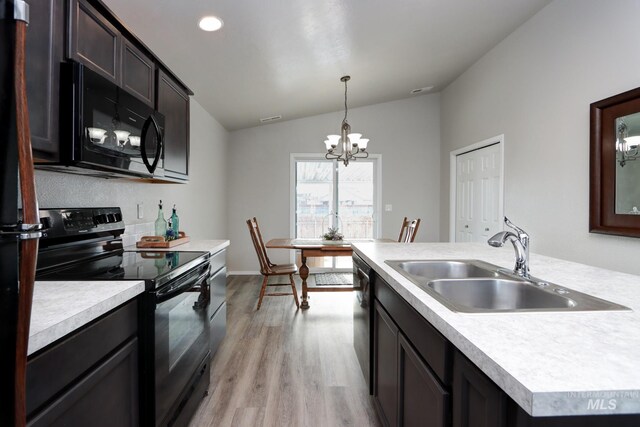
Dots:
pixel 409 230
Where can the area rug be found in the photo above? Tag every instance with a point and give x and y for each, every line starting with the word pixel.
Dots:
pixel 334 279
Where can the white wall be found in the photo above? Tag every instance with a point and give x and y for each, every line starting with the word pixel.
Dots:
pixel 536 87
pixel 200 203
pixel 406 133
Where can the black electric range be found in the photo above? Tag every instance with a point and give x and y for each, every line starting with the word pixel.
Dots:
pixel 154 267
pixel 85 244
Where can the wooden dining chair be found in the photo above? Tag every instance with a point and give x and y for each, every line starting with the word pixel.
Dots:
pixel 409 230
pixel 267 268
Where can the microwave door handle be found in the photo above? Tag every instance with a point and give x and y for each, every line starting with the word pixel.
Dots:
pixel 151 167
pixel 160 149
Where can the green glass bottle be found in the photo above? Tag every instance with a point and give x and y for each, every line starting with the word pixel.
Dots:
pixel 161 223
pixel 175 223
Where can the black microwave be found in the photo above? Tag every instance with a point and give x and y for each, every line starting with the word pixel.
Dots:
pixel 106 131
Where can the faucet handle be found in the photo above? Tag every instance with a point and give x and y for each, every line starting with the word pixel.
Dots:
pixel 520 231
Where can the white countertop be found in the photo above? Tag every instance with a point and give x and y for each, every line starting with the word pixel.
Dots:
pixel 561 363
pixel 60 308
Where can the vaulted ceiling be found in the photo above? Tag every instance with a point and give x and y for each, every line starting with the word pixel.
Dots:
pixel 278 57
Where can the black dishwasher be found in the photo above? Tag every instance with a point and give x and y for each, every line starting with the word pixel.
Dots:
pixel 362 315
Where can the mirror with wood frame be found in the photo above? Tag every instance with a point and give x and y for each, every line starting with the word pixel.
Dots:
pixel 615 165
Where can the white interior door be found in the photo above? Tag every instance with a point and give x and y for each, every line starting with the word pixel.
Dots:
pixel 478 186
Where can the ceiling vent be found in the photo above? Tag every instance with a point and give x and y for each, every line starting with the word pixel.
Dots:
pixel 420 90
pixel 270 119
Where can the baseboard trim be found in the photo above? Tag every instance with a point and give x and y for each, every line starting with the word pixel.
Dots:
pixel 243 273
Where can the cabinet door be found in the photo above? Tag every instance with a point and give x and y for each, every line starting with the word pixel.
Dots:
pixel 423 402
pixel 138 73
pixel 385 361
pixel 45 50
pixel 93 41
pixel 173 103
pixel 477 401
pixel 106 396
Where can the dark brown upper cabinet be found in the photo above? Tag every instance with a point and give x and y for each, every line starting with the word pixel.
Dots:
pixel 94 41
pixel 45 52
pixel 138 73
pixel 615 165
pixel 173 103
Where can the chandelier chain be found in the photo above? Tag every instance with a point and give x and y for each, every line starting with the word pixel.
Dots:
pixel 345 102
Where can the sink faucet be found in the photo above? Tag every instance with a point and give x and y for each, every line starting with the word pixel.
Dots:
pixel 520 241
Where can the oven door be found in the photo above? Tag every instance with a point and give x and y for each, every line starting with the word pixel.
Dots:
pixel 181 337
pixel 115 129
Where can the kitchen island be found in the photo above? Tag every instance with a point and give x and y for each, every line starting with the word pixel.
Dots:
pixel 550 363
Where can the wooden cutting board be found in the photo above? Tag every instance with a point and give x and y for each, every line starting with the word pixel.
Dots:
pixel 159 242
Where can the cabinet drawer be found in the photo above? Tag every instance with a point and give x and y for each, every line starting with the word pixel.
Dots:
pixel 434 348
pixel 218 328
pixel 217 290
pixel 107 396
pixel 57 366
pixel 218 260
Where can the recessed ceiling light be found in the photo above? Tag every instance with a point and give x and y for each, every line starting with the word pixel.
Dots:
pixel 420 90
pixel 210 23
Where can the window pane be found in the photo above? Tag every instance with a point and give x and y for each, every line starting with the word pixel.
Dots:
pixel 314 198
pixel 355 200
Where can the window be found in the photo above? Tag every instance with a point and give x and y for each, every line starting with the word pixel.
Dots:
pixel 328 194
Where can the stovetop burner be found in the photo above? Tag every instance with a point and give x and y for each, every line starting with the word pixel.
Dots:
pixel 123 265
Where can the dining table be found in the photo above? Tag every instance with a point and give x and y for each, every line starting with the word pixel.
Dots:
pixel 316 248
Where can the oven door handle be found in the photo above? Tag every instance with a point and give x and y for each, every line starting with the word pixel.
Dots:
pixel 167 294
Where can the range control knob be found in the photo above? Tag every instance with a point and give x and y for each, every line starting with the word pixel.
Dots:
pixel 100 219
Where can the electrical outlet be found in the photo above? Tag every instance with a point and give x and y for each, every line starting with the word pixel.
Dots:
pixel 388 208
pixel 140 210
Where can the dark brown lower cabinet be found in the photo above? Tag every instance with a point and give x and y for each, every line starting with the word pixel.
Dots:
pixel 423 402
pixel 477 401
pixel 89 378
pixel 107 396
pixel 406 391
pixel 385 362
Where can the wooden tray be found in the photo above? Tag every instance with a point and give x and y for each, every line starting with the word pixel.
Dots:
pixel 159 242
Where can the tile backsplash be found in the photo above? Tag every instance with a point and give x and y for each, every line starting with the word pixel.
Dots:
pixel 133 232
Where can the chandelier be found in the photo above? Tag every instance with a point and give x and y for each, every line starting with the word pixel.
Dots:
pixel 627 147
pixel 351 145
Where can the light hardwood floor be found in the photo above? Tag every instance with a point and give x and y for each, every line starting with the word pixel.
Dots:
pixel 285 367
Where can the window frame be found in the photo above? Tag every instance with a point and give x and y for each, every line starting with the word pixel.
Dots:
pixel 376 159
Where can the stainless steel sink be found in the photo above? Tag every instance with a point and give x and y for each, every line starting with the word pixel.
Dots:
pixel 446 269
pixel 473 286
pixel 498 295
